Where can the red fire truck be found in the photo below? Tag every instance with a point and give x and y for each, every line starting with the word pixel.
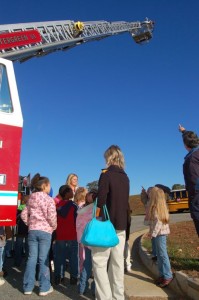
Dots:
pixel 20 42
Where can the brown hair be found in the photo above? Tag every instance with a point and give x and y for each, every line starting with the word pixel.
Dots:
pixel 190 139
pixel 38 182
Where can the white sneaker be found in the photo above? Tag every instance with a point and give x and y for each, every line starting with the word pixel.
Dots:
pixel 28 293
pixel 2 281
pixel 128 269
pixel 46 293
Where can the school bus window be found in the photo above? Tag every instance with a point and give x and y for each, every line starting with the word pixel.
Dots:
pixel 5 98
pixel 171 196
pixel 184 194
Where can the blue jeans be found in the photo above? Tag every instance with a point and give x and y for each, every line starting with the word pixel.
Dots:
pixel 2 256
pixel 164 266
pixel 62 248
pixel 19 246
pixel 86 272
pixel 39 245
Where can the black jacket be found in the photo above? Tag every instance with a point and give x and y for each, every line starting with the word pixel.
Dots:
pixel 191 176
pixel 22 228
pixel 114 192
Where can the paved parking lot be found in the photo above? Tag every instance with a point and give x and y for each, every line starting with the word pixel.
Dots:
pixel 13 288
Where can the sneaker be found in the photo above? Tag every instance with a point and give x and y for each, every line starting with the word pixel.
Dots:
pixel 128 269
pixel 47 292
pixel 159 280
pixel 2 281
pixel 165 282
pixel 28 293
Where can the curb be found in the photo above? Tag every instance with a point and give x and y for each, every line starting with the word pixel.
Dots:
pixel 181 284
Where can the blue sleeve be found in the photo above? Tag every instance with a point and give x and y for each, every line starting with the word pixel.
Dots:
pixel 64 210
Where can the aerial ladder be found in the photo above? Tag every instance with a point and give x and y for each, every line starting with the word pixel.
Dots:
pixel 21 42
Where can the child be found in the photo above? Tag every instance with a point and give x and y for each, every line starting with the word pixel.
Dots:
pixel 145 198
pixel 41 218
pixel 2 247
pixel 159 229
pixel 21 235
pixel 66 237
pixel 84 215
pixel 79 197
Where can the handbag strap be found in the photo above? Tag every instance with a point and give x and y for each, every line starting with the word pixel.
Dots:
pixel 106 214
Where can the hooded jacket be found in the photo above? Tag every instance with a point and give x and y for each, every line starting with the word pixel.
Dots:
pixel 84 215
pixel 114 192
pixel 66 221
pixel 40 213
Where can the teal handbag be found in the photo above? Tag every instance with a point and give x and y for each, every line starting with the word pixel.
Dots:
pixel 100 233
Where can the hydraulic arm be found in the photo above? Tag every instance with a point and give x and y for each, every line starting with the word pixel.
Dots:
pixel 19 42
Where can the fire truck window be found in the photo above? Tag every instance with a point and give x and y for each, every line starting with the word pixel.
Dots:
pixel 5 98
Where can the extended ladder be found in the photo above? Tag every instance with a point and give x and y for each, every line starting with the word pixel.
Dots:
pixel 63 35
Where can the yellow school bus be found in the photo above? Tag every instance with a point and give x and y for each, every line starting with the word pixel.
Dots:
pixel 178 200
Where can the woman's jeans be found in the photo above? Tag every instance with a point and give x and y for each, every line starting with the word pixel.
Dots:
pixel 39 245
pixel 2 255
pixel 62 249
pixel 86 272
pixel 164 266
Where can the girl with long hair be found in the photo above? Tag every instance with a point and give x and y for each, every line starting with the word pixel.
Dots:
pixel 158 217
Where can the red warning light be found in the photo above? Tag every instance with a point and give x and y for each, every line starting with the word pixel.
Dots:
pixel 19 38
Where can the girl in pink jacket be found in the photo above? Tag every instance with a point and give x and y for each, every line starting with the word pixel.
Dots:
pixel 41 217
pixel 84 215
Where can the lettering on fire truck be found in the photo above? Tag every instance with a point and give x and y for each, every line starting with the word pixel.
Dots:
pixel 21 38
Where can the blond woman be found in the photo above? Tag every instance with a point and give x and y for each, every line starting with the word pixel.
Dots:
pixel 114 192
pixel 72 181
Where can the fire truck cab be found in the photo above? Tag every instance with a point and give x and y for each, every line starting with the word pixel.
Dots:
pixel 11 123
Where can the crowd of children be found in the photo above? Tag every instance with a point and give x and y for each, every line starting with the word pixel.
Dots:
pixel 46 225
pixel 49 230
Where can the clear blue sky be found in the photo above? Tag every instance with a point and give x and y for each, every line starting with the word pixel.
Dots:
pixel 76 104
